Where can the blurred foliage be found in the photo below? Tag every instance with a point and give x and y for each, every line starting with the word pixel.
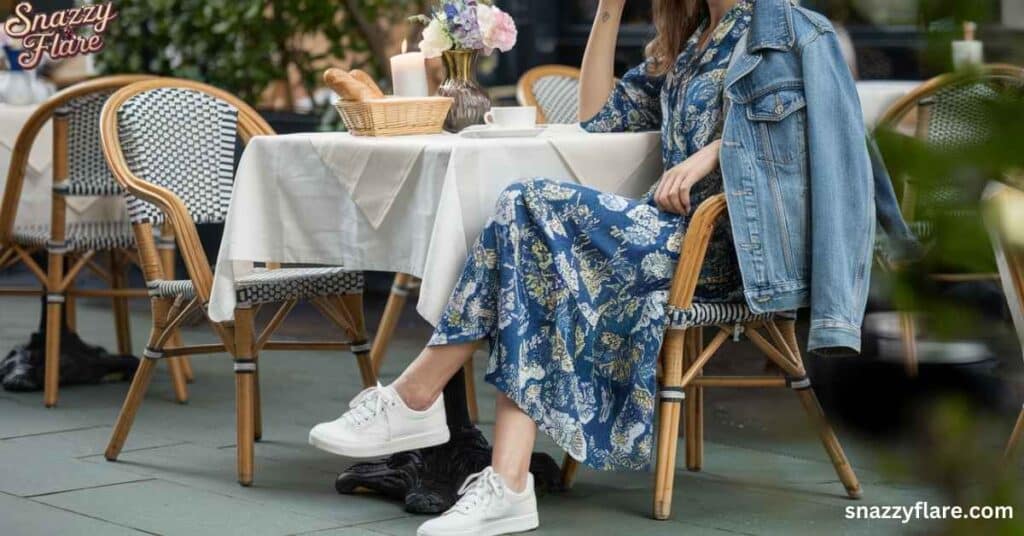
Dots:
pixel 957 440
pixel 962 244
pixel 244 45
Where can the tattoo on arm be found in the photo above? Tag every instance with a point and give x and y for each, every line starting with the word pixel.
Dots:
pixel 605 16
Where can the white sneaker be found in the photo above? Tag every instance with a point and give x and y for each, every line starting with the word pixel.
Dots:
pixel 378 424
pixel 487 508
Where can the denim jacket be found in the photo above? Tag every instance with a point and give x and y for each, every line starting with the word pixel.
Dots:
pixel 804 189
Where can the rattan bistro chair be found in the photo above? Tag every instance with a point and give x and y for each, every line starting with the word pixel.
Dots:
pixel 554 90
pixel 171 144
pixel 684 355
pixel 79 169
pixel 944 112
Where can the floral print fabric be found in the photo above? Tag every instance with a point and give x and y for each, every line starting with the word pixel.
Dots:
pixel 569 285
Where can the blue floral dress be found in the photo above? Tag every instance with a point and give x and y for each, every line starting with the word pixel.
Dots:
pixel 570 285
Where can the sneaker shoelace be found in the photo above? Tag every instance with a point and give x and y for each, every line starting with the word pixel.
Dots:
pixel 479 490
pixel 368 405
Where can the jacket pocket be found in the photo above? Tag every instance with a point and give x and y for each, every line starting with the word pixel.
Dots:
pixel 778 119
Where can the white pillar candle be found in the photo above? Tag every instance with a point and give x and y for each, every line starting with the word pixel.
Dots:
pixel 409 74
pixel 969 52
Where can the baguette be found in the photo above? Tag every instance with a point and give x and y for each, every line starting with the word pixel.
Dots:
pixel 365 78
pixel 347 86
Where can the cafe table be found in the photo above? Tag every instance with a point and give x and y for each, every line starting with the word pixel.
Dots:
pixel 412 205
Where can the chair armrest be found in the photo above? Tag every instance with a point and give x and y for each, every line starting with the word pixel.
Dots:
pixel 694 249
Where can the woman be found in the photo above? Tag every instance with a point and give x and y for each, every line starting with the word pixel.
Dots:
pixel 569 285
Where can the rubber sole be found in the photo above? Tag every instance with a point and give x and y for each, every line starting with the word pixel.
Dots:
pixel 404 444
pixel 514 525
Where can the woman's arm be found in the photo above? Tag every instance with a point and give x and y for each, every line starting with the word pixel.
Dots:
pixel 598 70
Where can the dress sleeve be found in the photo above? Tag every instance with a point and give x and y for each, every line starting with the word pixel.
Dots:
pixel 634 105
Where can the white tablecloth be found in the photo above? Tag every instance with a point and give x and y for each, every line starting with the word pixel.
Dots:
pixel 289 206
pixel 34 207
pixel 416 205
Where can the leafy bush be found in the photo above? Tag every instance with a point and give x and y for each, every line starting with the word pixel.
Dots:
pixel 244 45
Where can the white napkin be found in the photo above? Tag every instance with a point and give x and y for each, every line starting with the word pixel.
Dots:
pixel 596 160
pixel 12 118
pixel 372 170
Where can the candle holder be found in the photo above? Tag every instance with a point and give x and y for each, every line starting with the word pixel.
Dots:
pixel 470 101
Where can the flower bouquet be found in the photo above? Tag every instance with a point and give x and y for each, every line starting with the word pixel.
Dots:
pixel 458 31
pixel 466 25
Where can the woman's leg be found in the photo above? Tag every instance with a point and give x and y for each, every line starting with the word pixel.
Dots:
pixel 422 381
pixel 514 435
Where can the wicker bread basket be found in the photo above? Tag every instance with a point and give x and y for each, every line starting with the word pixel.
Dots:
pixel 396 116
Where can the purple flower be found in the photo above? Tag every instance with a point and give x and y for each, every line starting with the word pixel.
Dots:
pixel 461 22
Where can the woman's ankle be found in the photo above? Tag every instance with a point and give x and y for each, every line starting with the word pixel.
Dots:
pixel 414 398
pixel 515 480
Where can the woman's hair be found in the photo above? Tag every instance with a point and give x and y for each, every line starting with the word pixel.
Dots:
pixel 675 21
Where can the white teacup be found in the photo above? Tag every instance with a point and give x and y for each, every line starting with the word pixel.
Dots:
pixel 512 117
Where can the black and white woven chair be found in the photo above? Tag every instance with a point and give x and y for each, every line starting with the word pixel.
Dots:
pixel 554 90
pixel 79 169
pixel 684 356
pixel 171 144
pixel 946 112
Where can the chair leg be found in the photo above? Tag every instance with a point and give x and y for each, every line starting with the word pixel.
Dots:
pixel 178 381
pixel 51 372
pixel 257 402
pixel 1018 429
pixel 118 280
pixel 668 426
pixel 71 312
pixel 569 468
pixel 830 441
pixel 696 462
pixel 140 382
pixel 471 403
pixel 186 362
pixel 813 408
pixel 909 331
pixel 353 304
pixel 136 393
pixel 389 320
pixel 54 320
pixel 694 406
pixel 245 367
pixel 167 260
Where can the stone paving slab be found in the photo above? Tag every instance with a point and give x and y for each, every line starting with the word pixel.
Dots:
pixel 280 486
pixel 177 473
pixel 24 517
pixel 169 508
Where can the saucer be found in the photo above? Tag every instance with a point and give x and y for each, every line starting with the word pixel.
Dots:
pixel 491 131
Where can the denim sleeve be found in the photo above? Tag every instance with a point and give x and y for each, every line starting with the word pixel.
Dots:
pixel 634 105
pixel 842 199
pixel 905 246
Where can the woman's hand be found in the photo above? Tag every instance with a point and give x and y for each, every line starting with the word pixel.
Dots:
pixel 673 193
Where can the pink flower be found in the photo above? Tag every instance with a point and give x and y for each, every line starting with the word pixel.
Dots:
pixel 497 27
